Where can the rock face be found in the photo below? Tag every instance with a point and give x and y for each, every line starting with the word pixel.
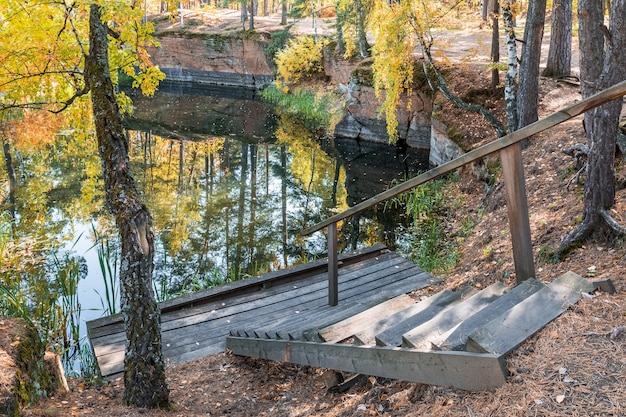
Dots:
pixel 213 59
pixel 442 148
pixel 362 122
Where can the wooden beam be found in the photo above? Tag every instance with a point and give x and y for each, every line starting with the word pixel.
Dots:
pixel 463 370
pixel 509 330
pixel 566 113
pixel 333 282
pixel 517 205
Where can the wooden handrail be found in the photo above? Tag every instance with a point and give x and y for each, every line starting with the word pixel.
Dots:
pixel 612 93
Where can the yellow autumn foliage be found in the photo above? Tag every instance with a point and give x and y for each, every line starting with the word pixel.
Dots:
pixel 301 58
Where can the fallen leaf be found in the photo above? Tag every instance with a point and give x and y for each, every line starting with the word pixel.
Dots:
pixel 560 398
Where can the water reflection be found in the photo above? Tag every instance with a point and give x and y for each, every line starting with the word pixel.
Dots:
pixel 230 184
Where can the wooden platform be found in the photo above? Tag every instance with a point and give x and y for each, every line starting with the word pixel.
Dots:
pixel 283 304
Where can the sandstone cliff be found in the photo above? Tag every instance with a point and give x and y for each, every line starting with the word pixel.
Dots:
pixel 214 59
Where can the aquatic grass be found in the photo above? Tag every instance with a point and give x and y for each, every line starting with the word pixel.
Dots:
pixel 318 110
pixel 432 247
pixel 68 271
pixel 108 260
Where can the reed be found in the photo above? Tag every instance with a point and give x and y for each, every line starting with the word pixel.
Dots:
pixel 108 260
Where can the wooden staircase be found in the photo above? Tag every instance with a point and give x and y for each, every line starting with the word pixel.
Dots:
pixel 454 339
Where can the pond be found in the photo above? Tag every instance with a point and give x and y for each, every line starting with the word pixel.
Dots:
pixel 229 183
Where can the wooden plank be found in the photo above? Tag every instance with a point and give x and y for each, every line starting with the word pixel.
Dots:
pixel 377 292
pixel 253 293
pixel 418 337
pixel 566 113
pixel 257 319
pixel 509 330
pixel 463 370
pixel 348 327
pixel 252 284
pixel 517 206
pixel 201 335
pixel 408 319
pixel 207 337
pixel 456 339
pixel 290 296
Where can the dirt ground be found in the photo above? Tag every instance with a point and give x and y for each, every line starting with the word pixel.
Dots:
pixel 575 366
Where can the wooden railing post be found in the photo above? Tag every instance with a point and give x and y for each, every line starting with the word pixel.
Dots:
pixel 517 204
pixel 333 282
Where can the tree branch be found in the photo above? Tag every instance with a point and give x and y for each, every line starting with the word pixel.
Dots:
pixel 442 86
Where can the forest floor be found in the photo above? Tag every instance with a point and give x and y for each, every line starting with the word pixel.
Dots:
pixel 571 367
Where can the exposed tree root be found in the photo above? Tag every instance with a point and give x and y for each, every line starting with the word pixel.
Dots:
pixel 613 224
pixel 576 237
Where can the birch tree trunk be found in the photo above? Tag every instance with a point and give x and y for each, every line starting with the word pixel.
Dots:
pixel 510 96
pixel 144 370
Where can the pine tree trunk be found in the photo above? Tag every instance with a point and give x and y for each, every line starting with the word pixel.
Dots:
pixel 528 88
pixel 602 65
pixel 144 374
pixel 559 62
pixel 283 13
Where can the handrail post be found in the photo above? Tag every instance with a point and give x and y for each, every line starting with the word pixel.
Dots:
pixel 333 282
pixel 517 205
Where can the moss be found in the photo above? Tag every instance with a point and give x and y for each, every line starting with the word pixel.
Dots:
pixel 363 74
pixel 33 379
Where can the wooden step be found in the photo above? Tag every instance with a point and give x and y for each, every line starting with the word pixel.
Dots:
pixel 419 337
pixel 456 339
pixel 390 333
pixel 510 329
pixel 468 371
pixel 352 325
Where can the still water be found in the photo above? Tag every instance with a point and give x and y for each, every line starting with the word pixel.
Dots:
pixel 229 183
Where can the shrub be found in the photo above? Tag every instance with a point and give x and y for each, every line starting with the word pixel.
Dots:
pixel 301 58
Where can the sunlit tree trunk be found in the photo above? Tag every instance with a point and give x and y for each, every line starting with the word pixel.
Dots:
pixel 144 369
pixel 252 13
pixel 283 13
pixel 495 46
pixel 364 47
pixel 339 21
pixel 559 62
pixel 528 87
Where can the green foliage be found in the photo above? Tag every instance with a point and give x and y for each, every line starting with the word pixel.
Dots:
pixel 300 59
pixel 318 110
pixel 278 41
pixel 434 248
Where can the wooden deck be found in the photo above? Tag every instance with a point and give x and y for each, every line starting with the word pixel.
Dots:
pixel 282 304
